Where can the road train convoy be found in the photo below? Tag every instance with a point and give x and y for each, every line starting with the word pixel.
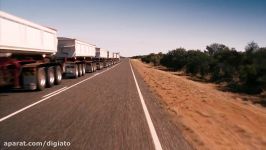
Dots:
pixel 32 57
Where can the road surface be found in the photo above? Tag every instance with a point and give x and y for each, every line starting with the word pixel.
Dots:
pixel 100 111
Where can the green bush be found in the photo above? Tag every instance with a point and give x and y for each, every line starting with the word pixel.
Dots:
pixel 175 59
pixel 197 62
pixel 225 64
pixel 241 70
pixel 253 70
pixel 152 58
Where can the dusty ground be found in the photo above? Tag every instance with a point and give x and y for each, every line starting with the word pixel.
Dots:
pixel 209 118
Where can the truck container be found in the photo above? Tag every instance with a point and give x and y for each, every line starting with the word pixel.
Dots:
pixel 76 57
pixel 101 58
pixel 116 57
pixel 110 58
pixel 27 54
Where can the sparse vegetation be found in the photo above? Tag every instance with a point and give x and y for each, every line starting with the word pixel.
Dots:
pixel 241 71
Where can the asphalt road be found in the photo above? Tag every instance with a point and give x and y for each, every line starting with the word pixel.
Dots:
pixel 98 111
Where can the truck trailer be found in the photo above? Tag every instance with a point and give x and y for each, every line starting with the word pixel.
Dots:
pixel 101 58
pixel 76 57
pixel 27 54
pixel 32 57
pixel 116 57
pixel 110 58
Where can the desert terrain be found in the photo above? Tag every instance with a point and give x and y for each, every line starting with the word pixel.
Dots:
pixel 209 118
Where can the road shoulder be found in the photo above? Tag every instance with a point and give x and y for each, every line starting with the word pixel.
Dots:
pixel 169 134
pixel 208 118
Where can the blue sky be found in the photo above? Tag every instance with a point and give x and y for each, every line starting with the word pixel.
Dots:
pixel 143 26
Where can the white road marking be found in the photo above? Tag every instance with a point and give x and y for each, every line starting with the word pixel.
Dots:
pixel 51 95
pixel 55 91
pixel 154 135
pixel 97 73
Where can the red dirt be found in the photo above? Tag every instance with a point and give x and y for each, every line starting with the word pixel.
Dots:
pixel 209 118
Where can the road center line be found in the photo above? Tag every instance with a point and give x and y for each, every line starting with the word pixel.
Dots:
pixel 55 91
pixel 53 94
pixel 154 135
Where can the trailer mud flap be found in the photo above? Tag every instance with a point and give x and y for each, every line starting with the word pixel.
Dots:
pixel 89 68
pixel 29 79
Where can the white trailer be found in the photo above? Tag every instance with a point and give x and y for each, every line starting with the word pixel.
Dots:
pixel 19 35
pixel 101 53
pixel 110 55
pixel 77 56
pixel 101 58
pixel 110 58
pixel 116 57
pixel 26 54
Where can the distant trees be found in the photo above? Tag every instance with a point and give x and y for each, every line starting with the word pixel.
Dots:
pixel 253 68
pixel 152 58
pixel 243 71
pixel 197 62
pixel 216 47
pixel 225 64
pixel 175 59
pixel 251 47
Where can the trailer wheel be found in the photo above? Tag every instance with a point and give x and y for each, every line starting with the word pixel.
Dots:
pixel 58 75
pixel 80 70
pixel 92 68
pixel 83 69
pixel 41 80
pixel 76 73
pixel 101 66
pixel 50 77
pixel 95 68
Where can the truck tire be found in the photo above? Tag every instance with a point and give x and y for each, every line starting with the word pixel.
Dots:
pixel 58 75
pixel 76 73
pixel 92 68
pixel 95 67
pixel 41 79
pixel 101 66
pixel 50 77
pixel 83 69
pixel 80 70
